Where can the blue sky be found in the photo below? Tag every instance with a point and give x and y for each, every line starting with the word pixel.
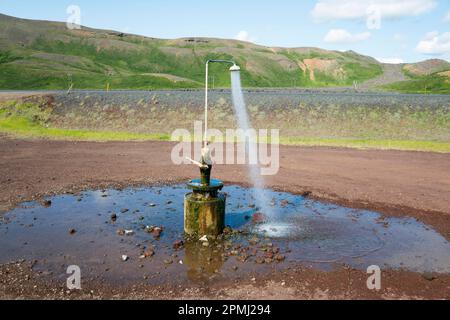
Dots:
pixel 391 30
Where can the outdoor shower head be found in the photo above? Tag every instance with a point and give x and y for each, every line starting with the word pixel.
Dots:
pixel 235 67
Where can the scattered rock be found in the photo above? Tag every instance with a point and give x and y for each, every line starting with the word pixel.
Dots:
pixel 203 239
pixel 168 261
pixel 269 255
pixel 124 210
pixel 124 258
pixel 254 241
pixel 114 217
pixel 280 258
pixel 120 232
pixel 227 231
pixel 284 203
pixel 72 231
pixel 148 253
pixel 157 232
pixel 129 232
pixel 47 203
pixel 429 276
pixel 178 244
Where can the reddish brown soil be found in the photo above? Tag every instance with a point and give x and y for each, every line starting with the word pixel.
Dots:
pixel 393 182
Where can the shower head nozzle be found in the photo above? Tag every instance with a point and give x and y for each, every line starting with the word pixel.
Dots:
pixel 235 68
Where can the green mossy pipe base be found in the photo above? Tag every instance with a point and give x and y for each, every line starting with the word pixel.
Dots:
pixel 204 215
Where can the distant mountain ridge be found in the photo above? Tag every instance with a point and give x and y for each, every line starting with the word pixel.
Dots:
pixel 47 55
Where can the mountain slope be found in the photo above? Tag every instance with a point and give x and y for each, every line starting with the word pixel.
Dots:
pixel 46 55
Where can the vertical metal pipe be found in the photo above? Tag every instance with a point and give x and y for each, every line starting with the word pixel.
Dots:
pixel 205 141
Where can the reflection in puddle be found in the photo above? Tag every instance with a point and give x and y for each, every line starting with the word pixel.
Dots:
pixel 80 230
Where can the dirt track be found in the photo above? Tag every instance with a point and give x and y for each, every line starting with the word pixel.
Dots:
pixel 395 183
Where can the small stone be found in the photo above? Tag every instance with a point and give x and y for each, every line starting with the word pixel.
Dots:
pixel 124 210
pixel 205 244
pixel 254 241
pixel 129 232
pixel 168 261
pixel 120 232
pixel 284 203
pixel 149 253
pixel 280 258
pixel 429 276
pixel 152 205
pixel 204 239
pixel 124 258
pixel 157 232
pixel 114 217
pixel 227 231
pixel 268 255
pixel 268 260
pixel 235 268
pixel 178 244
pixel 72 231
pixel 47 203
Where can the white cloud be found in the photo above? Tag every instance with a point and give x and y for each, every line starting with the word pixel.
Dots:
pixel 447 17
pixel 245 36
pixel 435 43
pixel 391 60
pixel 326 10
pixel 343 36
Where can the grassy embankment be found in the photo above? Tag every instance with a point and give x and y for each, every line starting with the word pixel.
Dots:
pixel 29 120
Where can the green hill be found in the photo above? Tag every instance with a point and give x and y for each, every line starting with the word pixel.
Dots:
pixel 47 55
pixel 430 76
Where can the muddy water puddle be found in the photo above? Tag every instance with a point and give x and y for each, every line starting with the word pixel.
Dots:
pixel 130 235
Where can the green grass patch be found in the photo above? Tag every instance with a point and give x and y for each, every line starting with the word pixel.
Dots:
pixel 28 120
pixel 23 128
pixel 407 145
pixel 433 83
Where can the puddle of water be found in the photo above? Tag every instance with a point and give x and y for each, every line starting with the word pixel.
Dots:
pixel 303 231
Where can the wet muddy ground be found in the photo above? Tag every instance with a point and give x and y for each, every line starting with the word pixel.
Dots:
pixel 322 248
pixel 127 235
